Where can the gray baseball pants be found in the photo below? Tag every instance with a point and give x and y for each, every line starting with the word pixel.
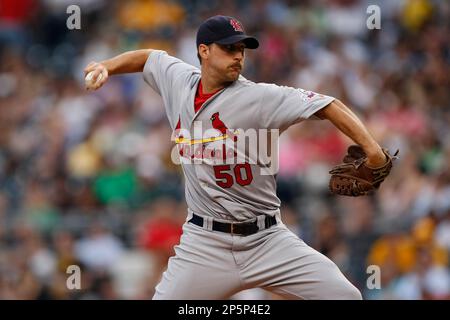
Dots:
pixel 216 265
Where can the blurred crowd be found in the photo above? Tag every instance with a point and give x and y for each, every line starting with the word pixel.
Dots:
pixel 86 178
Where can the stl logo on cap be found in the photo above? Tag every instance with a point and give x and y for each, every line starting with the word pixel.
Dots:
pixel 236 25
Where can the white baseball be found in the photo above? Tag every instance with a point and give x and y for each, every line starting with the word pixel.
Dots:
pixel 89 76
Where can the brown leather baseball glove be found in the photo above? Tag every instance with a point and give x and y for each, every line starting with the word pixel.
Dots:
pixel 354 178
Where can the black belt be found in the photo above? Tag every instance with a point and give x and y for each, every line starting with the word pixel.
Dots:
pixel 238 228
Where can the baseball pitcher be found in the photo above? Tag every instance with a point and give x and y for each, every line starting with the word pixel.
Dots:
pixel 234 238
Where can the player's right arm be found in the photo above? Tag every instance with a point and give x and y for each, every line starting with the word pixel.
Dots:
pixel 128 62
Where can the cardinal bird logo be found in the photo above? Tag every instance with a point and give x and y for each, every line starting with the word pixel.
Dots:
pixel 218 124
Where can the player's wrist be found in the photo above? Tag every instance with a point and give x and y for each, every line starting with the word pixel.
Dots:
pixel 376 158
pixel 108 66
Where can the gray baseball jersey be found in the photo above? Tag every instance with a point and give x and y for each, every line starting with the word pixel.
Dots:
pixel 236 186
pixel 236 191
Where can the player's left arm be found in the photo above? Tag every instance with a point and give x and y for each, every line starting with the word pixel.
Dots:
pixel 346 121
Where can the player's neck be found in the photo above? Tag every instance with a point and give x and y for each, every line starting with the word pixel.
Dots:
pixel 211 84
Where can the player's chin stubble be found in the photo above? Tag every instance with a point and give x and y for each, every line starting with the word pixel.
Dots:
pixel 233 74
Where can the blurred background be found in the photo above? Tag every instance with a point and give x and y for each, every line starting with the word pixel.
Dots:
pixel 86 178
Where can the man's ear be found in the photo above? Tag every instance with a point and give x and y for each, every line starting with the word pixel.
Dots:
pixel 203 51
